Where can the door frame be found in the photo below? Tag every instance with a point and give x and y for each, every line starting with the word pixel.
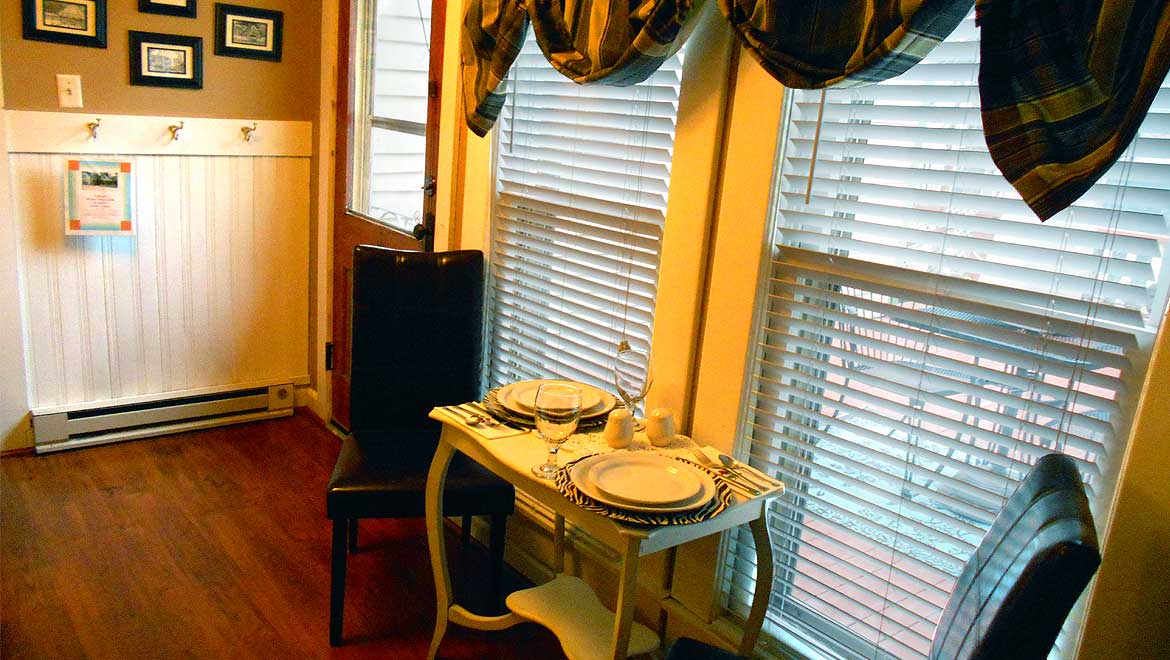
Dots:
pixel 351 228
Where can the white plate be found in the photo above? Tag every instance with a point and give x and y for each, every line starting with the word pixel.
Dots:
pixel 520 398
pixel 645 479
pixel 579 475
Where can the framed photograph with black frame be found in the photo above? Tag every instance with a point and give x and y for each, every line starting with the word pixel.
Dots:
pixel 169 7
pixel 248 32
pixel 166 60
pixel 75 22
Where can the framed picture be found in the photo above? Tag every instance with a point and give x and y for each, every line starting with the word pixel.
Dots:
pixel 248 32
pixel 166 60
pixel 76 22
pixel 99 200
pixel 169 7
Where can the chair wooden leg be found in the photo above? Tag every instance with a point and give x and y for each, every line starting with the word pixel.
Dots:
pixel 337 580
pixel 353 534
pixel 496 550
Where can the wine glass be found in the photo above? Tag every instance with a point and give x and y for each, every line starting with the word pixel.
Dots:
pixel 558 409
pixel 632 378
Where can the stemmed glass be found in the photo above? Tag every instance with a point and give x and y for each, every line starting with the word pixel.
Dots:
pixel 558 409
pixel 632 378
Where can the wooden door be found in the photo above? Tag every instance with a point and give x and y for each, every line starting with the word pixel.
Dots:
pixel 351 228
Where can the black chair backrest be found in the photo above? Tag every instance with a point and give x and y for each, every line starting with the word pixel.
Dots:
pixel 1015 592
pixel 417 335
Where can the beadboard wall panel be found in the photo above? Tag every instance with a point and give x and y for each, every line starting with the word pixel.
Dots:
pixel 211 292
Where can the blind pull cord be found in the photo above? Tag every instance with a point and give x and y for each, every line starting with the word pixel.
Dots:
pixel 812 163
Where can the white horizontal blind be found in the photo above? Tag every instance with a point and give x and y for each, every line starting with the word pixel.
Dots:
pixel 581 179
pixel 392 111
pixel 924 339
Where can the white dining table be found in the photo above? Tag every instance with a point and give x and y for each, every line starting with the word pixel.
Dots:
pixel 586 629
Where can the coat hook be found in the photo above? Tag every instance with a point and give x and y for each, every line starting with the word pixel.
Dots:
pixel 174 129
pixel 247 131
pixel 93 128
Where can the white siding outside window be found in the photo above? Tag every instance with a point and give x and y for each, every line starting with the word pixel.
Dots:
pixel 391 110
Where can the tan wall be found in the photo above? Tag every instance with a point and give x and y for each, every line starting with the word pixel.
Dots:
pixel 232 87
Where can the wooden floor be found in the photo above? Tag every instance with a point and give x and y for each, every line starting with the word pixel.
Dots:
pixel 213 544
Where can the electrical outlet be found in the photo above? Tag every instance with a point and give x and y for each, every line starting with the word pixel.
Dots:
pixel 68 90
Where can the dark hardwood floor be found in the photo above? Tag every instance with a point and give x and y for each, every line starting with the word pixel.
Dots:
pixel 214 544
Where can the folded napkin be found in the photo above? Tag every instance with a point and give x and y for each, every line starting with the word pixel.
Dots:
pixel 463 419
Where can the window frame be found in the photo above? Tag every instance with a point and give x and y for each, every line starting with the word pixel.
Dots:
pixel 356 121
pixel 741 255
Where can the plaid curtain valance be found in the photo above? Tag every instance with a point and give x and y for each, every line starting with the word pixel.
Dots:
pixel 616 43
pixel 809 44
pixel 493 32
pixel 1064 87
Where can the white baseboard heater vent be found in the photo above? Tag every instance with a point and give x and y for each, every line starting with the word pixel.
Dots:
pixel 95 426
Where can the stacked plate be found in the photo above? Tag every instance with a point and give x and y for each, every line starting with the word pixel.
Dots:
pixel 519 400
pixel 642 482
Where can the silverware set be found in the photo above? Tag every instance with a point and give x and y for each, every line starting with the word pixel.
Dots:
pixel 474 414
pixel 736 475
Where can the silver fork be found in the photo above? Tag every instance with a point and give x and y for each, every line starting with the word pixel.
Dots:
pixel 739 481
pixel 474 417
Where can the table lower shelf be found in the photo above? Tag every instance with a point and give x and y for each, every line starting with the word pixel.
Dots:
pixel 570 609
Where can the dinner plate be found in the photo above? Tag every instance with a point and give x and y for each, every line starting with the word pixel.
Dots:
pixel 520 398
pixel 579 471
pixel 645 479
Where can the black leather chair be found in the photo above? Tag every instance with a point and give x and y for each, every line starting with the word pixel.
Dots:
pixel 1017 589
pixel 416 343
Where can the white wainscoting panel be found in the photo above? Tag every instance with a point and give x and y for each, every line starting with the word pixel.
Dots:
pixel 211 292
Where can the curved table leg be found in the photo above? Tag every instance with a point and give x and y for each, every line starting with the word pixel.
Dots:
pixel 436 479
pixel 763 594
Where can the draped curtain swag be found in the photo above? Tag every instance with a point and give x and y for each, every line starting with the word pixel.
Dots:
pixel 809 44
pixel 493 32
pixel 1064 87
pixel 617 43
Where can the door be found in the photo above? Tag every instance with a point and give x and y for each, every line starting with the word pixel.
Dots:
pixel 389 82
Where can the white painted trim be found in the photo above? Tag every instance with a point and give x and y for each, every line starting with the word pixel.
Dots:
pixel 67 133
pixel 321 401
pixel 174 394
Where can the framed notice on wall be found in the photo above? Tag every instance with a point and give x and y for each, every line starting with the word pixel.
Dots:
pixel 98 199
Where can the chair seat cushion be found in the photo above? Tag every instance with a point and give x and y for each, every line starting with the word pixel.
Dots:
pixel 390 482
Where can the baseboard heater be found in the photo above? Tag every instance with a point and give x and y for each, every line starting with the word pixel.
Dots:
pixel 95 426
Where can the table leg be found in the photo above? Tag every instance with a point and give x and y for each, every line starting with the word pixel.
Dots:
pixel 559 545
pixel 627 599
pixel 436 479
pixel 763 594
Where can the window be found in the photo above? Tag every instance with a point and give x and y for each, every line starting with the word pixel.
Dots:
pixel 581 179
pixel 922 339
pixel 390 110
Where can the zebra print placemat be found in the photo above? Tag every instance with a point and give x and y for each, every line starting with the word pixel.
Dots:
pixel 720 501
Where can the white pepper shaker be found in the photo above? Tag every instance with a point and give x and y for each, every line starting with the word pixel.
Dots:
pixel 660 427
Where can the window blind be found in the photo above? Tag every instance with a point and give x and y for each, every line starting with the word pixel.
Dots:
pixel 391 110
pixel 581 180
pixel 923 339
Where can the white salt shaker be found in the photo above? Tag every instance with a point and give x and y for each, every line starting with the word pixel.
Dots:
pixel 619 428
pixel 660 427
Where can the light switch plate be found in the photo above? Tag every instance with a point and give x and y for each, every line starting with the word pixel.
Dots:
pixel 68 90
